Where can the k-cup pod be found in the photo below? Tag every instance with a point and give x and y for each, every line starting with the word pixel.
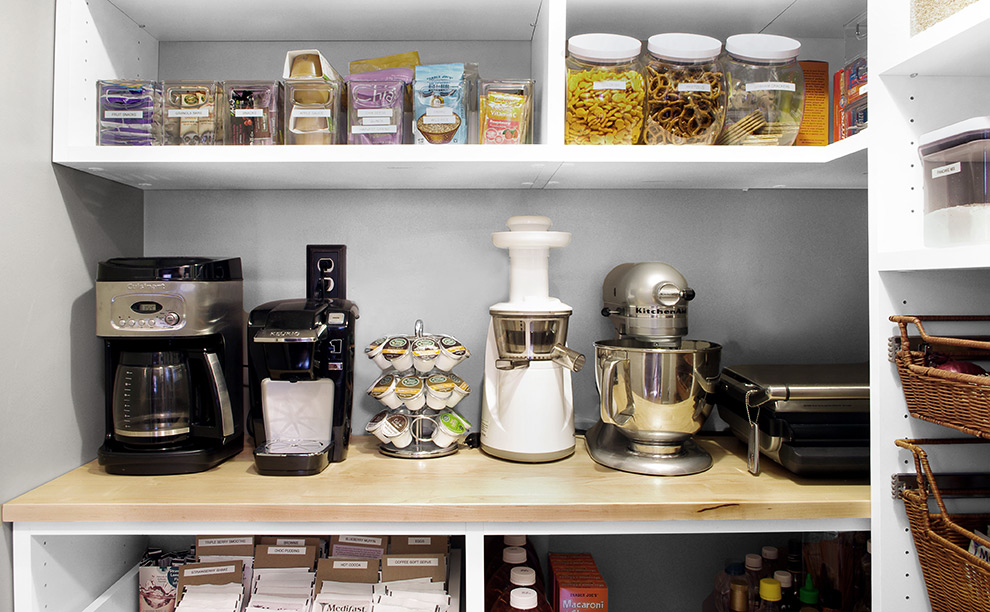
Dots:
pixel 448 431
pixel 374 352
pixel 410 391
pixel 397 353
pixel 465 425
pixel 374 426
pixel 396 430
pixel 452 353
pixel 384 391
pixel 425 352
pixel 461 389
pixel 439 388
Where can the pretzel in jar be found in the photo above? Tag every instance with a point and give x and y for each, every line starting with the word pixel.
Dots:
pixel 685 104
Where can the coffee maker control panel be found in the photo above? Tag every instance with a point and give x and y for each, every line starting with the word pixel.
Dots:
pixel 135 312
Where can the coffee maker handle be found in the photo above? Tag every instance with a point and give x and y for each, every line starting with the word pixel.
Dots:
pixel 221 394
pixel 605 386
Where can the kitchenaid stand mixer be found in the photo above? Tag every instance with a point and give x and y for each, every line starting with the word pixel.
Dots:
pixel 656 388
pixel 527 409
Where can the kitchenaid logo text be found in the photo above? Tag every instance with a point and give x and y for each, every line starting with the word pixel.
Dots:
pixel 658 311
pixel 146 286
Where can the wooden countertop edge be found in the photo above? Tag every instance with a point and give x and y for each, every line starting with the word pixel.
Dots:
pixel 446 513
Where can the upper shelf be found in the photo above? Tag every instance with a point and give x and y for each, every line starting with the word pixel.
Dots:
pixel 467 487
pixel 955 46
pixel 837 166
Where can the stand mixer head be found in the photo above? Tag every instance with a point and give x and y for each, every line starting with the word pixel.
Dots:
pixel 656 387
pixel 527 408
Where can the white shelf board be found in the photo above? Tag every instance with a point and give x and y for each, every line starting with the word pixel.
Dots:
pixel 969 257
pixel 838 166
pixel 955 46
pixel 341 20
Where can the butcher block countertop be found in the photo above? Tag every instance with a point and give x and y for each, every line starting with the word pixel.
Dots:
pixel 468 486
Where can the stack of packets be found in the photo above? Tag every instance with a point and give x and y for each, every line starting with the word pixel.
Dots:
pixel 577 584
pixel 211 587
pixel 284 577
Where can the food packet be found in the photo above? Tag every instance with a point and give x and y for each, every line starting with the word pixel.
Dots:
pixel 505 112
pixel 439 95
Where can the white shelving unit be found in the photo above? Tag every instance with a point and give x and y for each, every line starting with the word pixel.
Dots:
pixel 107 39
pixel 918 84
pixel 100 39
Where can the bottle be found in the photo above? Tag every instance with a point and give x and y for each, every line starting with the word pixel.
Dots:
pixel 788 591
pixel 532 560
pixel 795 562
pixel 754 573
pixel 808 596
pixel 512 556
pixel 769 595
pixel 734 570
pixel 522 598
pixel 771 560
pixel 738 596
pixel 519 577
pixel 865 601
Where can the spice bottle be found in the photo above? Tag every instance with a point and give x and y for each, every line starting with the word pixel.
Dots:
pixel 605 90
pixel 738 596
pixel 685 89
pixel 754 573
pixel 524 599
pixel 808 596
pixel 519 577
pixel 734 570
pixel 766 90
pixel 769 596
pixel 512 556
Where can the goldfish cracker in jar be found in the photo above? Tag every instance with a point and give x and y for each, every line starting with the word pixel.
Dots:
pixel 605 90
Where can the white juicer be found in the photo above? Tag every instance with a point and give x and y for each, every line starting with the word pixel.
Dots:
pixel 527 410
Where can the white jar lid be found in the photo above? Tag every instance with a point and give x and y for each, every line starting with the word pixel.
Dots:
pixel 762 47
pixel 678 46
pixel 523 598
pixel 604 47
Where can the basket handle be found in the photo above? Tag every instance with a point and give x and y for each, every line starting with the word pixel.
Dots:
pixel 903 320
pixel 926 480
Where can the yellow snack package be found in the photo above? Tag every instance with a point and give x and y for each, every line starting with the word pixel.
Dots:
pixel 505 112
pixel 410 59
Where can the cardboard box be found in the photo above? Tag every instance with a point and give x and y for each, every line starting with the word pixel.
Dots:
pixel 214 572
pixel 358 547
pixel 849 99
pixel 407 567
pixel 418 544
pixel 814 119
pixel 337 569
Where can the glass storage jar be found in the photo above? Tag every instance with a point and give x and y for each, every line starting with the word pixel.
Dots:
pixel 766 90
pixel 685 89
pixel 605 90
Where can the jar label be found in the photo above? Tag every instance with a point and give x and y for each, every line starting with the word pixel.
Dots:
pixel 374 112
pixel 771 86
pixel 946 170
pixel 188 112
pixel 705 87
pixel 374 129
pixel 620 85
pixel 112 114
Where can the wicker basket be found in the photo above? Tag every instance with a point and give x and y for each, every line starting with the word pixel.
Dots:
pixel 956 580
pixel 960 401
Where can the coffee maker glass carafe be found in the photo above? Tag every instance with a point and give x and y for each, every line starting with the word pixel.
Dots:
pixel 151 398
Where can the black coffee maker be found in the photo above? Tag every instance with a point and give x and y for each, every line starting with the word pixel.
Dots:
pixel 171 328
pixel 301 383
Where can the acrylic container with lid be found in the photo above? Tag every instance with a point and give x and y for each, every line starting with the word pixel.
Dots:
pixel 605 90
pixel 957 196
pixel 685 89
pixel 766 90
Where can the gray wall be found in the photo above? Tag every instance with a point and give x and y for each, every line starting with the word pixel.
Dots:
pixel 56 225
pixel 779 275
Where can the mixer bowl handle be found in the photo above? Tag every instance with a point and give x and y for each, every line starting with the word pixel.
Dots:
pixel 607 368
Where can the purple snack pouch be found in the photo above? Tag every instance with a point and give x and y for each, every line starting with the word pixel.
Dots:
pixel 376 103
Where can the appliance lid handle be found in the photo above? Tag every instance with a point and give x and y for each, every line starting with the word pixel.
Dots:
pixel 223 397
pixel 290 335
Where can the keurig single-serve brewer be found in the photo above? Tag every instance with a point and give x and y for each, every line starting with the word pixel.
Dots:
pixel 172 336
pixel 301 383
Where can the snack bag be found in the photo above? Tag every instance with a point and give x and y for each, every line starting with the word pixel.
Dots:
pixel 439 104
